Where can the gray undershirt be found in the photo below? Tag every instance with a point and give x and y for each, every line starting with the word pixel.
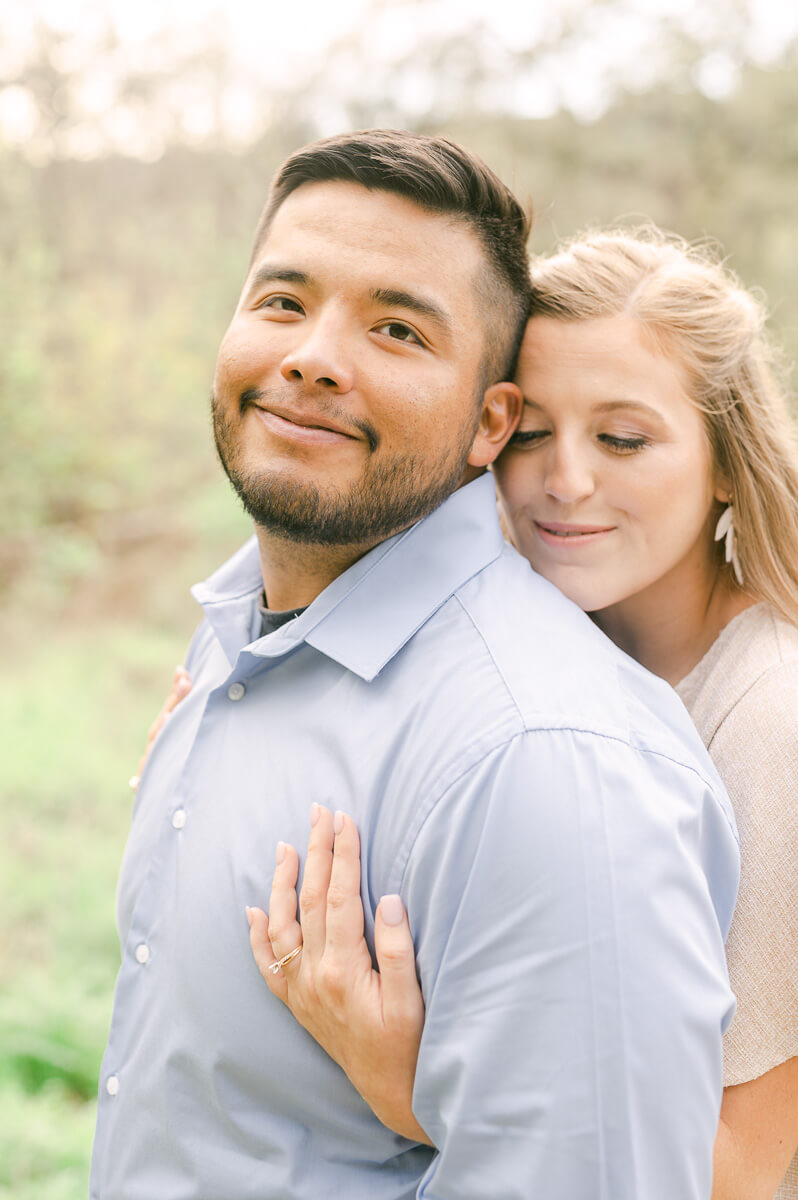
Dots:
pixel 269 620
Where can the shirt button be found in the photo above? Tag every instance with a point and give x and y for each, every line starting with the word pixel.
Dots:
pixel 112 1085
pixel 142 953
pixel 179 818
pixel 236 691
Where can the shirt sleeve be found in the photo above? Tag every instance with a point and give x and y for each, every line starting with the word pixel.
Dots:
pixel 570 948
pixel 756 752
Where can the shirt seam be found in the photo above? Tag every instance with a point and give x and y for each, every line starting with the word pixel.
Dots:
pixel 576 729
pixel 412 838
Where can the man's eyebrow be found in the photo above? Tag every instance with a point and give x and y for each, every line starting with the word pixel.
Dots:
pixel 272 273
pixel 416 304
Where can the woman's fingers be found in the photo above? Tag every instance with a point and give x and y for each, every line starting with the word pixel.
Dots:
pixel 181 686
pixel 344 905
pixel 316 880
pixel 262 951
pixel 285 933
pixel 402 1001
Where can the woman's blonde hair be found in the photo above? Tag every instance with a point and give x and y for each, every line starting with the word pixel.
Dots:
pixel 698 312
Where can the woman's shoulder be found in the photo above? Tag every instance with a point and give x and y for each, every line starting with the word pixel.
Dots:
pixel 749 673
pixel 746 709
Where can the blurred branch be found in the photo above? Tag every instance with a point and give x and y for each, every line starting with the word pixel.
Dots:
pixel 85 93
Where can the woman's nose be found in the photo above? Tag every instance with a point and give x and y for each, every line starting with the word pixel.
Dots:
pixel 568 477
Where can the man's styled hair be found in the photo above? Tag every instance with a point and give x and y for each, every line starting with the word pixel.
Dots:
pixel 442 177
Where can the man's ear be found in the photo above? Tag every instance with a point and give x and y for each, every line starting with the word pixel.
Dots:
pixel 501 412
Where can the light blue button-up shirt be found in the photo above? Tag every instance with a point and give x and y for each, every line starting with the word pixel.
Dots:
pixel 562 843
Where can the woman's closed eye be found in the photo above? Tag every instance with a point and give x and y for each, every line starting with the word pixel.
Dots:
pixel 623 445
pixel 528 437
pixel 611 441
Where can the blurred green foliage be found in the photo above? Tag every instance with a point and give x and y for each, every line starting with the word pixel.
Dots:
pixel 118 278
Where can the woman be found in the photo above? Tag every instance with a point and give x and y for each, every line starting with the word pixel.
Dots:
pixel 653 478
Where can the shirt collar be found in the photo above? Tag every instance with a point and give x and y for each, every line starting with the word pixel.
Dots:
pixel 369 612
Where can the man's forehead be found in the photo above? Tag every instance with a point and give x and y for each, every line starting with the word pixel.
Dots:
pixel 352 222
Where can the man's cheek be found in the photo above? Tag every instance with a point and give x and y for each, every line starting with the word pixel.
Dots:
pixel 236 365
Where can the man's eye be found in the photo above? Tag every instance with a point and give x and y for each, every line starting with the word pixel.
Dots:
pixel 400 332
pixel 282 304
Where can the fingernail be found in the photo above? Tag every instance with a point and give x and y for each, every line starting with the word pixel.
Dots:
pixel 392 910
pixel 314 813
pixel 338 821
pixel 250 916
pixel 281 848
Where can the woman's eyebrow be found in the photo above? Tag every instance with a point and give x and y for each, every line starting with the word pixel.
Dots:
pixel 610 405
pixel 417 304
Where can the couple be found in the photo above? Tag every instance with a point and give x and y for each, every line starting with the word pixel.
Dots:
pixel 532 801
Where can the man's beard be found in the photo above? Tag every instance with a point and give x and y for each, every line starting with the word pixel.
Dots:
pixel 388 496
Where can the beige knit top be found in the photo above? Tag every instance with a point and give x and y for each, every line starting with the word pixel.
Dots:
pixel 743 698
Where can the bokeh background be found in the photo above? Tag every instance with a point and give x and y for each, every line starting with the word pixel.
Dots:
pixel 136 146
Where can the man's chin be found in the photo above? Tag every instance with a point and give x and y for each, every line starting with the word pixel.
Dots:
pixel 293 500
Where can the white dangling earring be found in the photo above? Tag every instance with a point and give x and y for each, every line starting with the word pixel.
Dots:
pixel 725 529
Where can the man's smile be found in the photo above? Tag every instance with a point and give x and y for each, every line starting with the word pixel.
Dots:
pixel 301 427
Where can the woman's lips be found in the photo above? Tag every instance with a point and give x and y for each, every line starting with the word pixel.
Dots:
pixel 571 537
pixel 294 432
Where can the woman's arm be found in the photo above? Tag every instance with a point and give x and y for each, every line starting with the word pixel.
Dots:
pixel 757 1135
pixel 755 748
pixel 369 1021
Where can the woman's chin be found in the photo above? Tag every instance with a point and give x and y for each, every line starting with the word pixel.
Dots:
pixel 588 594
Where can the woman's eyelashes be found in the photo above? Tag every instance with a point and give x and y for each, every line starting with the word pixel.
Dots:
pixel 623 445
pixel 528 437
pixel 610 441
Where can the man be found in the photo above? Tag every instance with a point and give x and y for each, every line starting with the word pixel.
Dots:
pixel 560 840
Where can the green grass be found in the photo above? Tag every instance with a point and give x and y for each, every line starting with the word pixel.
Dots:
pixel 45 1144
pixel 74 709
pixel 86 664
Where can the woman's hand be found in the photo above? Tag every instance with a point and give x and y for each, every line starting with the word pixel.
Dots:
pixel 368 1021
pixel 181 686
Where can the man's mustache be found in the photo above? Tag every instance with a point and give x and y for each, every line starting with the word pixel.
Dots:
pixel 308 404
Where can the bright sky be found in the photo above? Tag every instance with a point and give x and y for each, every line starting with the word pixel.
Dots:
pixel 285 43
pixel 307 26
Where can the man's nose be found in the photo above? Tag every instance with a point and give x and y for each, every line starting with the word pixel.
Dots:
pixel 569 475
pixel 320 358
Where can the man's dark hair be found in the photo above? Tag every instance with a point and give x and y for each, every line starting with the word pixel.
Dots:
pixel 440 176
